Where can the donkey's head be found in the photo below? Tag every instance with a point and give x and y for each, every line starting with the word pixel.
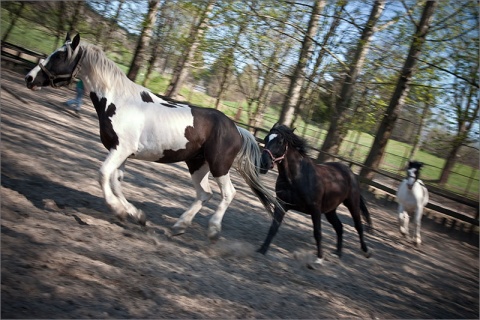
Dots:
pixel 413 172
pixel 59 68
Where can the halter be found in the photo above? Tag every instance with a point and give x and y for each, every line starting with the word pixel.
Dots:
pixel 279 159
pixel 414 177
pixel 68 77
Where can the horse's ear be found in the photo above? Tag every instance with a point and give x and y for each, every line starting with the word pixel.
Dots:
pixel 68 37
pixel 75 42
pixel 293 130
pixel 276 125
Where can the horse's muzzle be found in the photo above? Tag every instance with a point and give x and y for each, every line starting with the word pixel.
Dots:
pixel 29 82
pixel 265 163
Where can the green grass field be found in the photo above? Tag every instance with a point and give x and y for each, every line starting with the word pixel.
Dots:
pixel 464 180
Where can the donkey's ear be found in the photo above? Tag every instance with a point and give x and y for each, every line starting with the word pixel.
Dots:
pixel 75 42
pixel 68 37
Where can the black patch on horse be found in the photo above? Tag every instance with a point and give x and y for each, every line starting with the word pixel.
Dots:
pixel 146 97
pixel 108 136
pixel 170 105
pixel 417 166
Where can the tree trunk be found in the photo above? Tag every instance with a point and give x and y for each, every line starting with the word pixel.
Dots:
pixel 75 16
pixel 418 134
pixel 401 90
pixel 15 17
pixel 293 93
pixel 466 119
pixel 144 39
pixel 305 91
pixel 107 42
pixel 226 76
pixel 157 49
pixel 196 35
pixel 338 129
pixel 263 103
pixel 60 24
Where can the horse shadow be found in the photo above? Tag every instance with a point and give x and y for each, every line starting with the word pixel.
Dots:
pixel 48 195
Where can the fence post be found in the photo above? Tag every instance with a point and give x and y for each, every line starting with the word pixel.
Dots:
pixel 466 191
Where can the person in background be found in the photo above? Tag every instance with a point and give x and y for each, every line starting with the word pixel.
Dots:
pixel 76 103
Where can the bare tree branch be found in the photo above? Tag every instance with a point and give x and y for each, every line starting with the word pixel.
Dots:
pixel 471 82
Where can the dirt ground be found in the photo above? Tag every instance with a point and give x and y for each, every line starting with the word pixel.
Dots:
pixel 63 254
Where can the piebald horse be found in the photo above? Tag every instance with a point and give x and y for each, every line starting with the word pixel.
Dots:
pixel 311 188
pixel 412 197
pixel 136 124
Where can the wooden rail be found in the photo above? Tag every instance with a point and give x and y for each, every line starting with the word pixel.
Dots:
pixel 27 59
pixel 19 57
pixel 432 189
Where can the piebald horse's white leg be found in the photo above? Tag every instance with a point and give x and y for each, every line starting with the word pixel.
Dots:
pixel 116 183
pixel 228 193
pixel 204 193
pixel 110 178
pixel 403 220
pixel 417 224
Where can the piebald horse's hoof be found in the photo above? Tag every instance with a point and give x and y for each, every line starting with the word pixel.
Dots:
pixel 315 265
pixel 121 216
pixel 141 218
pixel 213 233
pixel 178 230
pixel 367 254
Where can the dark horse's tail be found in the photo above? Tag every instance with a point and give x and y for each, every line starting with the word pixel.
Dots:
pixel 366 214
pixel 248 164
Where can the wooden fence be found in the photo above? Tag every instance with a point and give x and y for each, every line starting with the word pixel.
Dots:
pixel 18 58
pixel 24 60
pixel 448 213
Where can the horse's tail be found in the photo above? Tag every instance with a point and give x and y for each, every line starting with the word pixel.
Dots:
pixel 366 214
pixel 248 164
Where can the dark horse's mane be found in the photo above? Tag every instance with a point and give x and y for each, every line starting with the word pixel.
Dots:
pixel 292 139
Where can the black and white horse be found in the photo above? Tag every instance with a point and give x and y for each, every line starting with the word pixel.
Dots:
pixel 136 124
pixel 412 197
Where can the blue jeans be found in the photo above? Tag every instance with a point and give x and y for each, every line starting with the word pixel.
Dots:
pixel 77 101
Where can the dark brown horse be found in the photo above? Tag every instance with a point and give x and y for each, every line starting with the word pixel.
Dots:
pixel 311 188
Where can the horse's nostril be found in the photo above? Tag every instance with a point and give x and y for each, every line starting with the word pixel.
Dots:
pixel 28 79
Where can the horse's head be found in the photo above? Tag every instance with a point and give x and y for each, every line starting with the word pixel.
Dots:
pixel 276 146
pixel 59 68
pixel 413 172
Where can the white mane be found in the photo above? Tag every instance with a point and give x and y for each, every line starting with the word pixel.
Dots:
pixel 104 71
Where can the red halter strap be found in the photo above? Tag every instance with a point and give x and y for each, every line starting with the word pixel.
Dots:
pixel 279 159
